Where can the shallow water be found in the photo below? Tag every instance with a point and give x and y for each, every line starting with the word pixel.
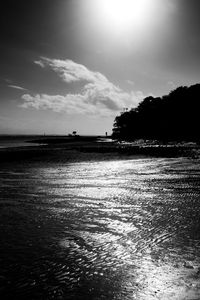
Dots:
pixel 123 229
pixel 16 141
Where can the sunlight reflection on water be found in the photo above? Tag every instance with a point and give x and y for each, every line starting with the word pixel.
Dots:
pixel 124 229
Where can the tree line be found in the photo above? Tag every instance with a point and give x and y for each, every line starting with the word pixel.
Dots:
pixel 172 117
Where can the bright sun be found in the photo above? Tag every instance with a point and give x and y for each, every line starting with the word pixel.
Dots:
pixel 123 14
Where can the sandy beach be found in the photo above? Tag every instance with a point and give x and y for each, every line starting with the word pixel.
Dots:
pixel 80 224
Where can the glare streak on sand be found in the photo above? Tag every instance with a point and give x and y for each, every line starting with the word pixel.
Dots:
pixel 123 229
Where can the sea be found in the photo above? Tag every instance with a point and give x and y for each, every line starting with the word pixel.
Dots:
pixel 118 229
pixel 13 141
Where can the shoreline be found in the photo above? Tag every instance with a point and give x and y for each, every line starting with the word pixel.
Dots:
pixel 92 148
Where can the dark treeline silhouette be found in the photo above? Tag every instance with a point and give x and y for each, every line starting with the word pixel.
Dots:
pixel 172 117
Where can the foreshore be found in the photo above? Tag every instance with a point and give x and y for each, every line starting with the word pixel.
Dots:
pixel 95 218
pixel 81 148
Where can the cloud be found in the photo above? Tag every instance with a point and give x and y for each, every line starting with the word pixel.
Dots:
pixel 71 71
pixel 98 95
pixel 16 87
pixel 90 101
pixel 40 63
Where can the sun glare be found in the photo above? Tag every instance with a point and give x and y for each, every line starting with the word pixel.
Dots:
pixel 123 14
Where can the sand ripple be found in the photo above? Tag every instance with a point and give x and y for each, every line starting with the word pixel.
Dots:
pixel 124 229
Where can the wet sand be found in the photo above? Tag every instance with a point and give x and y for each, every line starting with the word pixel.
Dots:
pixel 63 149
pixel 84 225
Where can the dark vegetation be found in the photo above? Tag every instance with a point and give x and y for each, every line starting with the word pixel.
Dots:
pixel 173 117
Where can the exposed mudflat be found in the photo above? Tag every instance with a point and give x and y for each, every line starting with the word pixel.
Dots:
pixel 109 229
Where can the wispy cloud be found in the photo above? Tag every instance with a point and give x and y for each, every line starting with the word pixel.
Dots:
pixel 98 95
pixel 39 63
pixel 17 87
pixel 71 71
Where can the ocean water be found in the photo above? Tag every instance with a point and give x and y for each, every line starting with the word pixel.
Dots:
pixel 121 229
pixel 12 141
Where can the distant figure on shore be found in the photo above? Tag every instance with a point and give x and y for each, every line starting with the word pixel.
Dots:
pixel 106 134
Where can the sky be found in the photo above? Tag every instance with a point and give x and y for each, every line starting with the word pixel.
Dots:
pixel 74 65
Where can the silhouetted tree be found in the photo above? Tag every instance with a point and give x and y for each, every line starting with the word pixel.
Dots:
pixel 171 117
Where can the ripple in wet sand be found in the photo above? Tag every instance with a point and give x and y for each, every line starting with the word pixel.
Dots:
pixel 124 229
